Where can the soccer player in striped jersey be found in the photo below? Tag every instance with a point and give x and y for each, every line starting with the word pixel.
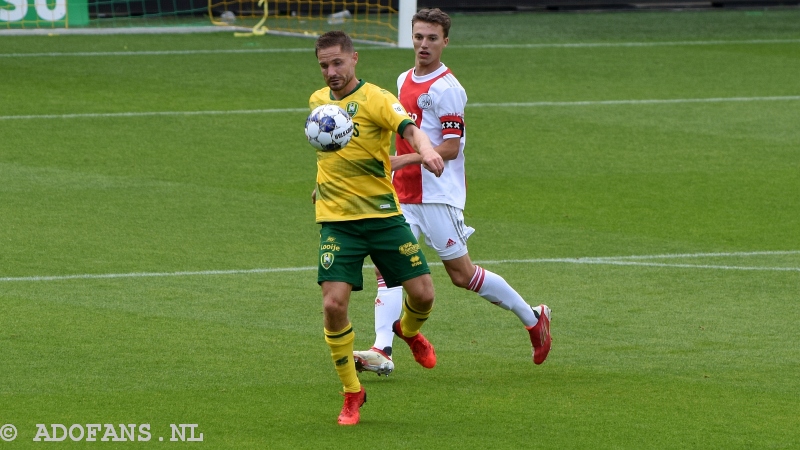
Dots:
pixel 359 213
pixel 433 206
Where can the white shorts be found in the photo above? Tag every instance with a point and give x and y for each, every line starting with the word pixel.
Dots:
pixel 442 225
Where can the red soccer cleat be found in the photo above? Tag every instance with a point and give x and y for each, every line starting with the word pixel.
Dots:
pixel 422 350
pixel 540 335
pixel 350 411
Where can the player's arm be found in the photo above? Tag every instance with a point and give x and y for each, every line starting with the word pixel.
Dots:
pixel 409 159
pixel 448 150
pixel 452 128
pixel 450 110
pixel 419 141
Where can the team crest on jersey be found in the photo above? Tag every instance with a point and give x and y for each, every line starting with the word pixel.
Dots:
pixel 351 108
pixel 425 101
pixel 326 260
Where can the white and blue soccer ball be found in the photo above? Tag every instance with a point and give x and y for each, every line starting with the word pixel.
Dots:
pixel 329 128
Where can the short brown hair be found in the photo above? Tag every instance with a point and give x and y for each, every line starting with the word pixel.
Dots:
pixel 334 38
pixel 435 16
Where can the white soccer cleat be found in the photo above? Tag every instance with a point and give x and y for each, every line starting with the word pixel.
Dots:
pixel 373 360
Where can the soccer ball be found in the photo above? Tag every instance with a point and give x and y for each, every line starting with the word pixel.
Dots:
pixel 329 128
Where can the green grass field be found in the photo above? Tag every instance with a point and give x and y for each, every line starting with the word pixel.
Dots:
pixel 638 172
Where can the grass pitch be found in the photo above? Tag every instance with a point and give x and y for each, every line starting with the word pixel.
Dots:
pixel 636 172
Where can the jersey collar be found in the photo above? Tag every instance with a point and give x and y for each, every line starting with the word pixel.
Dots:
pixel 423 78
pixel 358 86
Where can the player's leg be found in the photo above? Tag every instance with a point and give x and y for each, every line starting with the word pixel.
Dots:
pixel 339 336
pixel 492 287
pixel 445 232
pixel 397 254
pixel 339 272
pixel 418 304
pixel 417 307
pixel 422 294
pixel 389 302
pixel 388 307
pixel 497 291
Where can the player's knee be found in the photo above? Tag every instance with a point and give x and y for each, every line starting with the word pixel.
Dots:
pixel 421 303
pixel 333 307
pixel 460 279
pixel 425 301
pixel 421 294
pixel 461 271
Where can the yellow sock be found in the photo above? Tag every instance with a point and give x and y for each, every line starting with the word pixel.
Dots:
pixel 341 344
pixel 412 320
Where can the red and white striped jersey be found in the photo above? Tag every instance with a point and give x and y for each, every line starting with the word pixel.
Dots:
pixel 436 104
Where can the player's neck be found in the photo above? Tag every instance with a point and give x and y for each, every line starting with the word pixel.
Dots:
pixel 347 90
pixel 421 70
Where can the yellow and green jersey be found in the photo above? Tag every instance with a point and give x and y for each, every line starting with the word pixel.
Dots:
pixel 356 182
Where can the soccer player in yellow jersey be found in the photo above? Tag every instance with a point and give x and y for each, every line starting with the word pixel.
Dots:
pixel 360 214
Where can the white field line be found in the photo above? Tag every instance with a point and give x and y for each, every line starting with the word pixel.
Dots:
pixel 155 274
pixel 606 260
pixel 702 255
pixel 619 262
pixel 476 46
pixel 633 44
pixel 156 52
pixel 154 113
pixel 638 102
pixel 474 105
pixel 693 266
pixel 121 31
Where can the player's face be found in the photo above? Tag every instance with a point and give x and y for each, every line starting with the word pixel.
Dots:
pixel 338 69
pixel 429 42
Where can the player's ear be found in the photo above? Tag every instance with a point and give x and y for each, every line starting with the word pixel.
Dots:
pixel 446 40
pixel 355 58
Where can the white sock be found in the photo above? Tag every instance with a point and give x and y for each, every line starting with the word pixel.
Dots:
pixel 496 290
pixel 388 307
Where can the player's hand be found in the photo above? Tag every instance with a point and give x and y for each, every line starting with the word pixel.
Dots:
pixel 314 196
pixel 432 161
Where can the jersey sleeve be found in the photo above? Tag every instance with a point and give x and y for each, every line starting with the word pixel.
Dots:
pixel 402 128
pixel 392 113
pixel 400 79
pixel 450 110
